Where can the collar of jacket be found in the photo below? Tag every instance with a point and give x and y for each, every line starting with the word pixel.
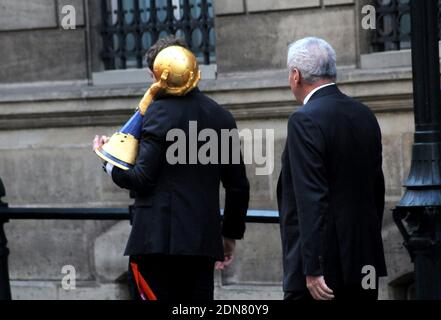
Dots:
pixel 326 91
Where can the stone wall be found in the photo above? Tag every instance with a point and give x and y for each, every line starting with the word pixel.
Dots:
pixel 250 35
pixel 254 34
pixel 34 45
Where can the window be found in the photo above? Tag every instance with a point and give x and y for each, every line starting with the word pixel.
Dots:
pixel 130 27
pixel 393 25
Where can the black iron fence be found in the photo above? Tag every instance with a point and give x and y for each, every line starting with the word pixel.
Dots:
pixel 393 25
pixel 6 214
pixel 130 27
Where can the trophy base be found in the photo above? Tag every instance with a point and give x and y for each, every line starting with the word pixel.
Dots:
pixel 121 150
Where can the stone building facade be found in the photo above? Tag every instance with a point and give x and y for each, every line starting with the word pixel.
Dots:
pixel 55 95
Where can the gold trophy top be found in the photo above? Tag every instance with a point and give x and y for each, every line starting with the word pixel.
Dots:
pixel 177 72
pixel 182 68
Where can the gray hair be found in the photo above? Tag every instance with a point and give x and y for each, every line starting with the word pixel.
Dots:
pixel 314 58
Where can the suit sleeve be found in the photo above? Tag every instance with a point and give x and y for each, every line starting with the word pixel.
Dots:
pixel 237 194
pixel 151 152
pixel 380 188
pixel 306 147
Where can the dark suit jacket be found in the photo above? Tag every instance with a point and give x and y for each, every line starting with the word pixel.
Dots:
pixel 331 192
pixel 176 209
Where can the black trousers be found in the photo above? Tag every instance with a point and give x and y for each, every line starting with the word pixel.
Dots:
pixel 172 277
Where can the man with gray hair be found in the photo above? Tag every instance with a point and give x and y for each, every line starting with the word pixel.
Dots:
pixel 331 188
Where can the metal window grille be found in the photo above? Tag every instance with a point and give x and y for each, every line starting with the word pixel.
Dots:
pixel 130 27
pixel 393 25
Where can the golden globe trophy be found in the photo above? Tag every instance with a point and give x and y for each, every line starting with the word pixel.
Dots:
pixel 177 73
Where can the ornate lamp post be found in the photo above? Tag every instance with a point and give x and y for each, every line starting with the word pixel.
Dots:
pixel 420 206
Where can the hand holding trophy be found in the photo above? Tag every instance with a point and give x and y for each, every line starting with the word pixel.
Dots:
pixel 177 73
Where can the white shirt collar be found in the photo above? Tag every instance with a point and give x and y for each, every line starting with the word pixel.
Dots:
pixel 305 101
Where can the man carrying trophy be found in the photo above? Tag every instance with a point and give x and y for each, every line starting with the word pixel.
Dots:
pixel 177 236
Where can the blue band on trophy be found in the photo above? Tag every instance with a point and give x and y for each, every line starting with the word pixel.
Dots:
pixel 108 155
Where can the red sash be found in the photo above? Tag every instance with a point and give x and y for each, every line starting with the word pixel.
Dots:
pixel 144 289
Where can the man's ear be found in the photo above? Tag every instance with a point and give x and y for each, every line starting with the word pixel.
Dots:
pixel 297 77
